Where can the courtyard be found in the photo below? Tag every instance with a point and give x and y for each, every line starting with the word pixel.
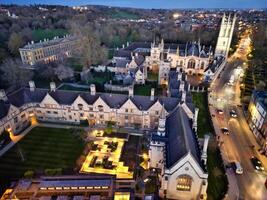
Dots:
pixel 112 155
pixel 41 150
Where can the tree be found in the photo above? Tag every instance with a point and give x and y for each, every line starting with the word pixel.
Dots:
pixel 89 48
pixel 15 42
pixel 13 74
pixel 63 72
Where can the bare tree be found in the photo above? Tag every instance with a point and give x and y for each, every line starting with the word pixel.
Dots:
pixel 63 72
pixel 13 75
pixel 89 48
pixel 15 41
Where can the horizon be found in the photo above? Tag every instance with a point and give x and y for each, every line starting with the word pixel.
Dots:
pixel 151 4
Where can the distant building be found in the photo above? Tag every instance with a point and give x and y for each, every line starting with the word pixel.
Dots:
pixel 257 117
pixel 225 36
pixel 48 50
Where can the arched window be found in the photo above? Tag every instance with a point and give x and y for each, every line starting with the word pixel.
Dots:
pixel 184 183
pixel 202 65
pixel 191 64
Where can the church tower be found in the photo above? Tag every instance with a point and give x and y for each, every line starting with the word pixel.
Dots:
pixel 225 35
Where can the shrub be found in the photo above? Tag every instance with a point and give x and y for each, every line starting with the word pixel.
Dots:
pixel 29 174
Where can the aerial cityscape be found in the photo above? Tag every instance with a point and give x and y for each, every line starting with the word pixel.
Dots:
pixel 126 100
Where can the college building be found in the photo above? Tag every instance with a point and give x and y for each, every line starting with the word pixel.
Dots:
pixel 48 50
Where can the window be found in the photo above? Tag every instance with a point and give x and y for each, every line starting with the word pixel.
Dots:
pixel 91 109
pixel 191 64
pixel 81 114
pixel 100 108
pixel 101 116
pixel 80 106
pixel 55 112
pixel 126 110
pixel 202 65
pixel 15 120
pixel 156 112
pixel 184 183
pixel 22 116
pixel 126 117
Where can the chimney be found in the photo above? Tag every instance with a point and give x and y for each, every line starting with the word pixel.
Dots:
pixel 52 86
pixel 179 77
pixel 205 148
pixel 181 87
pixel 183 96
pixel 152 94
pixel 131 91
pixel 3 96
pixel 32 86
pixel 92 89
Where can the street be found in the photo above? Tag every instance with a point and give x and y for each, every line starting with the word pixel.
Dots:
pixel 240 144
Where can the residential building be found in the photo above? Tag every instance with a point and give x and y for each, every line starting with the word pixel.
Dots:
pixel 48 50
pixel 257 117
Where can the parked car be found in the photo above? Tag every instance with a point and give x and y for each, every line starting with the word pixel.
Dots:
pixel 225 131
pixel 256 163
pixel 233 114
pixel 220 111
pixel 238 168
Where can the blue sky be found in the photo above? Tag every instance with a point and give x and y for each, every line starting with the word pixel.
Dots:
pixel 152 3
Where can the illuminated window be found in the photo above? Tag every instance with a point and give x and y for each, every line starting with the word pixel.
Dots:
pixel 191 64
pixel 184 183
pixel 202 65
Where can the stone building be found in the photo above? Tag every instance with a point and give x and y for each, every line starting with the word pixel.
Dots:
pixel 48 50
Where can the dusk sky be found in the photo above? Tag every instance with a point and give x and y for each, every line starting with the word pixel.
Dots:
pixel 153 3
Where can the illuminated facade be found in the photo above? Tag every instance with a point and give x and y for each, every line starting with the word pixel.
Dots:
pixel 225 36
pixel 48 50
pixel 257 117
pixel 73 107
pixel 175 152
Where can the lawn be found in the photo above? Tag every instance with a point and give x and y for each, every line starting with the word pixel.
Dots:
pixel 204 125
pixel 217 180
pixel 143 90
pixel 42 148
pixel 72 88
pixel 120 14
pixel 41 34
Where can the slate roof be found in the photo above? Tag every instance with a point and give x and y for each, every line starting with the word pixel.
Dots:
pixel 181 139
pixel 191 48
pixel 121 63
pixel 64 97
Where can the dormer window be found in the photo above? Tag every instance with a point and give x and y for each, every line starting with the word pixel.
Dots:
pixel 80 106
pixel 100 108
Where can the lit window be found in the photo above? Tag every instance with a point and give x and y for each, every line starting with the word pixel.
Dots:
pixel 184 183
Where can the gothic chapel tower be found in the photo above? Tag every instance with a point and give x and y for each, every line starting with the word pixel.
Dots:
pixel 225 35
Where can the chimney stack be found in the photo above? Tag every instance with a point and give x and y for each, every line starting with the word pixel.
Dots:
pixel 92 89
pixel 205 148
pixel 52 86
pixel 32 86
pixel 3 96
pixel 152 94
pixel 131 91
pixel 183 96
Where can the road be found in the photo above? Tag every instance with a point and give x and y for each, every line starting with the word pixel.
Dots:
pixel 238 145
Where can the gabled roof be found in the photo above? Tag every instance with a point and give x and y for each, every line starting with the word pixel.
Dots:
pixel 181 138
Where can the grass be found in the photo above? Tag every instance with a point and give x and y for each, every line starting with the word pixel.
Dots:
pixel 204 125
pixel 143 90
pixel 41 34
pixel 42 148
pixel 152 76
pixel 120 14
pixel 217 180
pixel 71 88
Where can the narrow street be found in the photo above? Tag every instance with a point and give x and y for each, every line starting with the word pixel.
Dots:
pixel 240 144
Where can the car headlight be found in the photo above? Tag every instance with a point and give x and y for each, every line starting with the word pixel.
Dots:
pixel 262 168
pixel 257 167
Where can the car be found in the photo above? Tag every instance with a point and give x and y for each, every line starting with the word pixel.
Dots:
pixel 220 111
pixel 237 167
pixel 225 131
pixel 256 163
pixel 233 114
